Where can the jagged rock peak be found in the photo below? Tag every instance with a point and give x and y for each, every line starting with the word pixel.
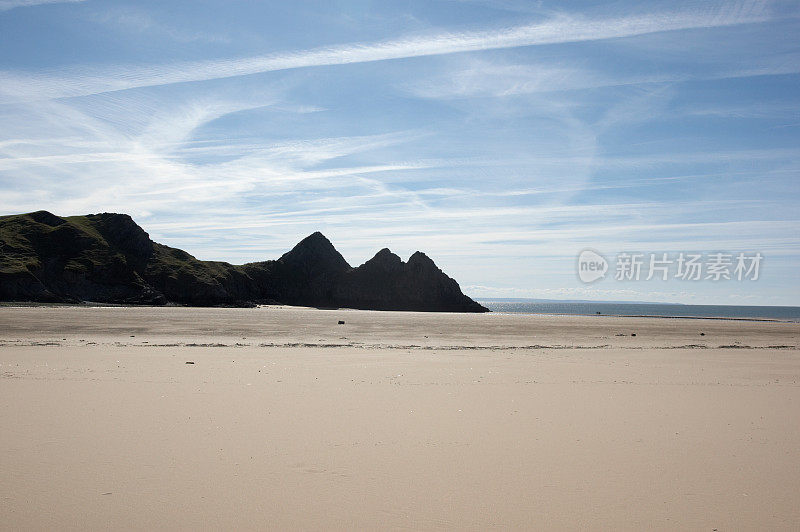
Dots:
pixel 421 259
pixel 386 255
pixel 316 236
pixel 316 249
pixel 383 260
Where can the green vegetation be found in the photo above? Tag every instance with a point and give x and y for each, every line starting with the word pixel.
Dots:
pixel 17 253
pixel 84 224
pixel 177 263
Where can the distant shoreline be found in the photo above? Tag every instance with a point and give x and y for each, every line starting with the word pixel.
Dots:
pixel 780 313
pixel 725 318
pixel 90 304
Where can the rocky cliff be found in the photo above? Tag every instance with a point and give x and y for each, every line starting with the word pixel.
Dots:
pixel 108 258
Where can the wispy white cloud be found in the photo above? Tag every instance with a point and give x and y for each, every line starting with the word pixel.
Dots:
pixel 158 165
pixel 130 19
pixel 5 5
pixel 485 79
pixel 757 109
pixel 560 29
pixel 517 6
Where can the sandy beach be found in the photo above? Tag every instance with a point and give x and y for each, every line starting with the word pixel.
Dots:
pixel 282 418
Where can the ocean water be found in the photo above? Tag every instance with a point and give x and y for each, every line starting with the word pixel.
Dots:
pixel 641 309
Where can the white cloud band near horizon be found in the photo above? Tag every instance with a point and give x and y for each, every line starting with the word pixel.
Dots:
pixel 561 29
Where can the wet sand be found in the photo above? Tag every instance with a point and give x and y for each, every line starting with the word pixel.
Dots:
pixel 288 420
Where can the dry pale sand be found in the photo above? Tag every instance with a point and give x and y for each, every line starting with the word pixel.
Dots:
pixel 287 420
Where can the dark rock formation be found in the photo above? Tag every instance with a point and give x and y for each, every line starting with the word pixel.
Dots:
pixel 109 258
pixel 385 282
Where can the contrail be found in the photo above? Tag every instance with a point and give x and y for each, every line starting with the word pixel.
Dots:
pixel 561 29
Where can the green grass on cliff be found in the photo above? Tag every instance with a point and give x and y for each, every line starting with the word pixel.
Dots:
pixel 85 225
pixel 26 238
pixel 177 262
pixel 17 253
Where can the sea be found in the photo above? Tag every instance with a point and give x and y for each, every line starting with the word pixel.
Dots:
pixel 666 310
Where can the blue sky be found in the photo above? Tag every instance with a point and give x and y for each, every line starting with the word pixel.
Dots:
pixel 501 137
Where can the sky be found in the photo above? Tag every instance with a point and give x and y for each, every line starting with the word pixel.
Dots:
pixel 500 137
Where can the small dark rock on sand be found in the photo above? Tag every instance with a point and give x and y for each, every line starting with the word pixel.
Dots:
pixel 341 322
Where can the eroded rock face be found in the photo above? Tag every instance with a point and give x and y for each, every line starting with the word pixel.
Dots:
pixel 121 232
pixel 107 257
